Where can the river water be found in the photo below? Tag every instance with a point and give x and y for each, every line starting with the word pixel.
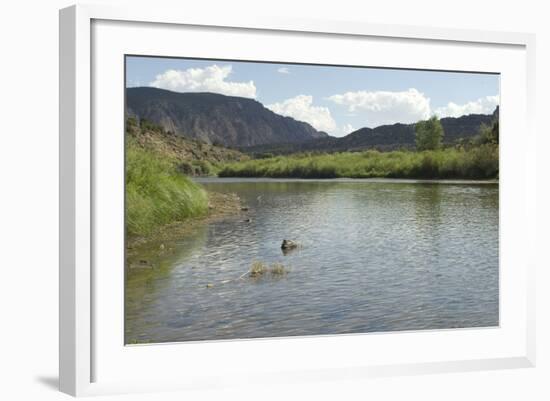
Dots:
pixel 375 255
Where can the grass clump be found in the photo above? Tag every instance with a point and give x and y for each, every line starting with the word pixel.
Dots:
pixel 277 269
pixel 156 192
pixel 259 269
pixel 480 162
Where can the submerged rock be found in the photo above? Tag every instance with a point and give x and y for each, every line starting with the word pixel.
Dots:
pixel 289 244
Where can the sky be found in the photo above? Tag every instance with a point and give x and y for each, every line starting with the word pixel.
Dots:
pixel 334 99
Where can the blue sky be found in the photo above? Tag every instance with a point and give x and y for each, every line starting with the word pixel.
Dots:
pixel 337 100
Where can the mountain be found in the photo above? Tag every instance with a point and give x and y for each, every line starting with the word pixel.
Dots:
pixel 246 124
pixel 384 137
pixel 216 119
pixel 403 134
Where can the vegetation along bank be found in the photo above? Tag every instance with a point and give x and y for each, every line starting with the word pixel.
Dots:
pixel 475 158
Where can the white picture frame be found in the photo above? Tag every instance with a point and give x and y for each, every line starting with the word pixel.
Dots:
pixel 85 344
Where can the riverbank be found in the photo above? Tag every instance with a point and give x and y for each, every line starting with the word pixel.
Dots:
pixel 378 180
pixel 161 239
pixel 159 191
pixel 162 203
pixel 480 162
pixel 156 193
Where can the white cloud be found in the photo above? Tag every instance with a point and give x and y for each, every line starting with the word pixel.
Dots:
pixel 301 108
pixel 483 105
pixel 385 107
pixel 208 79
pixel 344 130
pixel 283 70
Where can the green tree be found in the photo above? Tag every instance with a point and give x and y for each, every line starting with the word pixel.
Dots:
pixel 488 134
pixel 429 134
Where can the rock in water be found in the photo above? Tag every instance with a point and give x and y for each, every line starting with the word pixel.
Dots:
pixel 289 244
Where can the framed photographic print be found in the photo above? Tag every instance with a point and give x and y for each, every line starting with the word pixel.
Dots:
pixel 303 200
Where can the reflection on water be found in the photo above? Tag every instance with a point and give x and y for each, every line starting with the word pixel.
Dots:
pixel 373 256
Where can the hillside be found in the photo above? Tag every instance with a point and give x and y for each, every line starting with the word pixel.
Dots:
pixel 384 137
pixel 216 119
pixel 192 157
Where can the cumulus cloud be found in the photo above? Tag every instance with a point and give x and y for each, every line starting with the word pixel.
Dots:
pixel 283 70
pixel 301 108
pixel 343 130
pixel 209 79
pixel 483 105
pixel 385 107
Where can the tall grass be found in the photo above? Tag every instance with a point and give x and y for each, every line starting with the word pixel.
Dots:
pixel 156 193
pixel 479 162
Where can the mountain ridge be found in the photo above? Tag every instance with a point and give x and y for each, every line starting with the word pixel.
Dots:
pixel 216 119
pixel 384 137
pixel 246 124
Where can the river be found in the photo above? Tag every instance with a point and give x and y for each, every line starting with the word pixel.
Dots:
pixel 374 256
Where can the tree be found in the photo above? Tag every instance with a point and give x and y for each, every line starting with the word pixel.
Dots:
pixel 429 134
pixel 488 134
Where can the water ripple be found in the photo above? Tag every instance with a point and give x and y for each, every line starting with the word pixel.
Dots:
pixel 375 256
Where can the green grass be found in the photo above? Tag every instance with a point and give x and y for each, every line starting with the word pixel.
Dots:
pixel 480 162
pixel 199 167
pixel 156 192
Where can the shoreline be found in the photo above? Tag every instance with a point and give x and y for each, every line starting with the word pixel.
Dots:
pixel 220 206
pixel 455 181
